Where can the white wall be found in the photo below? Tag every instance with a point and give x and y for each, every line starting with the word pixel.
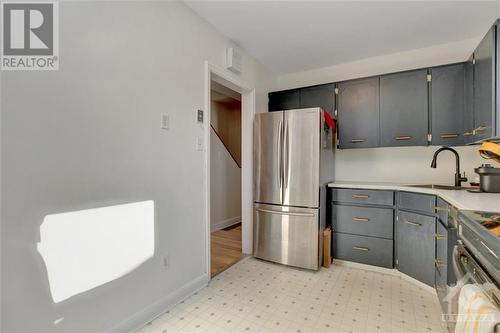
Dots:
pixel 418 58
pixel 225 186
pixel 89 136
pixel 409 164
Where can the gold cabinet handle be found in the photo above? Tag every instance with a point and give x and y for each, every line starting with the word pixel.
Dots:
pixel 480 128
pixel 360 219
pixel 448 136
pixel 413 223
pixel 469 133
pixel 403 137
pixel 360 248
pixel 439 237
pixel 439 263
pixel 357 140
pixel 360 196
pixel 440 209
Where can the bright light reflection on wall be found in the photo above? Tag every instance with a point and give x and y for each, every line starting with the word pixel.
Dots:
pixel 87 248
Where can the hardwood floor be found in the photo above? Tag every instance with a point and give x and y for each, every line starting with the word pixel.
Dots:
pixel 225 248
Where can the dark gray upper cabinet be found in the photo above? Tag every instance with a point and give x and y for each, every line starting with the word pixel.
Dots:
pixel 358 110
pixel 404 109
pixel 468 134
pixel 484 93
pixel 448 105
pixel 318 96
pixel 284 100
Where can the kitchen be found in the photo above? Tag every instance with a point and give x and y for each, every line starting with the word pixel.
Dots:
pixel 432 232
pixel 369 194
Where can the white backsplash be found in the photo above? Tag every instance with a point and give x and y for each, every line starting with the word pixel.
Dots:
pixel 404 164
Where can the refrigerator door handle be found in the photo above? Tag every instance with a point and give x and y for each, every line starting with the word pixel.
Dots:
pixel 284 213
pixel 280 160
pixel 286 156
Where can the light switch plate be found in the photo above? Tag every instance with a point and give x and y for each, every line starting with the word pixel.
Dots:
pixel 200 116
pixel 165 121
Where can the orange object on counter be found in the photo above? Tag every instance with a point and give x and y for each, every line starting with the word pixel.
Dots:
pixel 490 150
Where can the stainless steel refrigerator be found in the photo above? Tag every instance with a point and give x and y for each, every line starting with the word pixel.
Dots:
pixel 293 162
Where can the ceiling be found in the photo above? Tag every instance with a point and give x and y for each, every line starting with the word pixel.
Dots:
pixel 291 36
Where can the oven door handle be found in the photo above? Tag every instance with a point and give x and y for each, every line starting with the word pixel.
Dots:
pixel 457 264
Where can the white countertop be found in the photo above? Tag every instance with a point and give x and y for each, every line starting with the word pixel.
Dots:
pixel 462 199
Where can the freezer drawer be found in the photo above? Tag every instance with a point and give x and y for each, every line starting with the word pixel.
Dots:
pixel 287 235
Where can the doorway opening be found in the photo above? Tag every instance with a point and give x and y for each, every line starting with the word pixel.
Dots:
pixel 225 177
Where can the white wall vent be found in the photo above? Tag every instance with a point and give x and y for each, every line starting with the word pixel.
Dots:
pixel 234 59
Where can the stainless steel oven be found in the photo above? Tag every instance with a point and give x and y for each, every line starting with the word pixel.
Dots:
pixel 475 261
pixel 469 271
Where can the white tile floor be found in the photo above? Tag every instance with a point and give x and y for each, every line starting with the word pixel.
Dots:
pixel 257 296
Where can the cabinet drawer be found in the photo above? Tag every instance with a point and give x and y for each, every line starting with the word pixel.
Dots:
pixel 361 196
pixel 416 201
pixel 367 221
pixel 363 249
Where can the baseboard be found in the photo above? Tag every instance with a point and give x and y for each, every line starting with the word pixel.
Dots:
pixel 225 223
pixel 390 271
pixel 345 263
pixel 149 313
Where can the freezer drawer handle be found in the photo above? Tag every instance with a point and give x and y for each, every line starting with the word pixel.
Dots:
pixel 360 248
pixel 415 224
pixel 284 213
pixel 360 196
pixel 360 219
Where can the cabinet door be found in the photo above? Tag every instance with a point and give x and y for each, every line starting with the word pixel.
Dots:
pixel 358 113
pixel 322 96
pixel 415 246
pixel 469 102
pixel 484 95
pixel 404 109
pixel 284 100
pixel 448 105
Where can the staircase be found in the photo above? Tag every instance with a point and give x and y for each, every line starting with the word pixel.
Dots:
pixel 230 147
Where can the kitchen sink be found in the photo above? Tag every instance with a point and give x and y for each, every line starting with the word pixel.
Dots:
pixel 440 187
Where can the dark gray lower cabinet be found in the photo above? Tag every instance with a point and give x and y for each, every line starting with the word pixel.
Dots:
pixel 415 247
pixel 363 226
pixel 358 113
pixel 366 250
pixel 362 196
pixel 367 221
pixel 416 202
pixel 404 109
pixel 447 105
